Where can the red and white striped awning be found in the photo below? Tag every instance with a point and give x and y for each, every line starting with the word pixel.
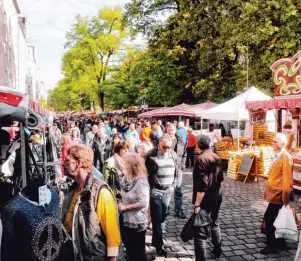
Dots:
pixel 179 110
pixel 275 104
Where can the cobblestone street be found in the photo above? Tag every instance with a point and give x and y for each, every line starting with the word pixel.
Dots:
pixel 240 220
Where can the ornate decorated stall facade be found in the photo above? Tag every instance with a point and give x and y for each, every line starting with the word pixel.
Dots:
pixel 286 104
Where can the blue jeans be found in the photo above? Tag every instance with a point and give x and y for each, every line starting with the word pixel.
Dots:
pixel 159 202
pixel 178 192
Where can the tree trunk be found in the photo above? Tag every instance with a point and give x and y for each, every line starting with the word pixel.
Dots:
pixel 101 97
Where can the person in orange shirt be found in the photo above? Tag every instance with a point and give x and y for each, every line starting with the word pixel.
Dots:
pixel 278 191
pixel 145 133
pixel 190 148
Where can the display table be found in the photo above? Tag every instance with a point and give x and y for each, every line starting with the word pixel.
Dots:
pixel 263 154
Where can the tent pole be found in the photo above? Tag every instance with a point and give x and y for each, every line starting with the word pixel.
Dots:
pixel 238 134
pixel 23 155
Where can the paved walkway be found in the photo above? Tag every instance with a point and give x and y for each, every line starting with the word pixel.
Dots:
pixel 240 219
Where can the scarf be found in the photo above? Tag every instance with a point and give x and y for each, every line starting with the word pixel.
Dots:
pixel 125 186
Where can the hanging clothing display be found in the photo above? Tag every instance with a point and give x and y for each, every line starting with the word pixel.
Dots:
pixel 32 232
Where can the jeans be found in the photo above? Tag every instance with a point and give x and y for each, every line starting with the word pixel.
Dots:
pixel 190 156
pixel 178 192
pixel 134 243
pixel 200 244
pixel 159 202
pixel 270 216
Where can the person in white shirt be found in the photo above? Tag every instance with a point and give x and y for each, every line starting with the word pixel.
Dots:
pixel 90 135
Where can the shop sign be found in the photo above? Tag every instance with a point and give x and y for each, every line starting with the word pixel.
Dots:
pixel 257 117
pixel 287 76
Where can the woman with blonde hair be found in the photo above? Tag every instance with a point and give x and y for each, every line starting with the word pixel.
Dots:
pixel 134 206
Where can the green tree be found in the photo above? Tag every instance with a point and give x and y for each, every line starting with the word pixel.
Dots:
pixel 207 41
pixel 92 43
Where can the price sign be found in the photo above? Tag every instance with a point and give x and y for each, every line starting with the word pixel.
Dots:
pixel 44 195
pixel 257 117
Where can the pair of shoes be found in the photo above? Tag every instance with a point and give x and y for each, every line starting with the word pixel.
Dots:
pixel 180 214
pixel 161 252
pixel 217 250
pixel 267 250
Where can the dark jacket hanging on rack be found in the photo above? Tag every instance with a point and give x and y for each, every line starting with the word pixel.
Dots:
pixel 102 151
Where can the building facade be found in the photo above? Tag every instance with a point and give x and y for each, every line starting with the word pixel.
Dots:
pixel 18 66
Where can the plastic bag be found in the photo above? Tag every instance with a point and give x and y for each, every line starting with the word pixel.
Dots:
pixel 285 224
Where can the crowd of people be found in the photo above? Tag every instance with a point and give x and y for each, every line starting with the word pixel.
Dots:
pixel 126 175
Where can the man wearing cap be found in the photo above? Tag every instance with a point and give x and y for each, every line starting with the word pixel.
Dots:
pixel 278 190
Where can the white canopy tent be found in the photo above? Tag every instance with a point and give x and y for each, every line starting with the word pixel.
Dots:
pixel 235 109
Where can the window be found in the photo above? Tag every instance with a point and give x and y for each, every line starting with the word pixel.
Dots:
pixel 10 80
pixel 5 77
pixel 5 18
pixel 5 49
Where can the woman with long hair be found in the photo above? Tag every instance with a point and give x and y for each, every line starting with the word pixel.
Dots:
pixel 134 206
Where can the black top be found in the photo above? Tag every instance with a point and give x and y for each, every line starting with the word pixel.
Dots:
pixel 207 177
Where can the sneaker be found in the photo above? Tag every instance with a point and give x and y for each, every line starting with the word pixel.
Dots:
pixel 267 250
pixel 180 214
pixel 217 250
pixel 161 252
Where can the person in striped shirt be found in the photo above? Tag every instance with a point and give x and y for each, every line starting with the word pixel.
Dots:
pixel 161 164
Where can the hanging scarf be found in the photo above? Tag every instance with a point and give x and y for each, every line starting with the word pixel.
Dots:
pixel 127 186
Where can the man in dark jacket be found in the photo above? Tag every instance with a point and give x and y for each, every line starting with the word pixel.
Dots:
pixel 101 146
pixel 162 170
pixel 180 149
pixel 207 195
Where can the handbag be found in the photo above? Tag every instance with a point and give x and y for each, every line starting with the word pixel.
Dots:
pixel 263 227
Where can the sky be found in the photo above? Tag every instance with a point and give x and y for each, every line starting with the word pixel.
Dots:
pixel 48 22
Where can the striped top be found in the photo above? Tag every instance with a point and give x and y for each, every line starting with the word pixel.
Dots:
pixel 166 169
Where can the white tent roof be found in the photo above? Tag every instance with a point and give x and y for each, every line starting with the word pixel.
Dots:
pixel 234 110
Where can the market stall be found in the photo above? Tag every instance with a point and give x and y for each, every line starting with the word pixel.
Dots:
pixel 246 141
pixel 287 104
pixel 18 159
pixel 184 112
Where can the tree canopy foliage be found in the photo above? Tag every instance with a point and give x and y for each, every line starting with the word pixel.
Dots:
pixel 197 50
pixel 91 45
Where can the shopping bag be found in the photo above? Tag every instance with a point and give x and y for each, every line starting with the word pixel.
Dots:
pixel 188 230
pixel 285 224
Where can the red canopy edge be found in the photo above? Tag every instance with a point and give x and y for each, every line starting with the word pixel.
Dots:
pixel 275 104
pixel 15 98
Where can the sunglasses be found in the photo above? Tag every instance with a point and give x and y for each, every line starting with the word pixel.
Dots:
pixel 166 147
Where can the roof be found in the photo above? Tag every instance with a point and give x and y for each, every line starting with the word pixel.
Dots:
pixel 182 109
pixel 234 109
